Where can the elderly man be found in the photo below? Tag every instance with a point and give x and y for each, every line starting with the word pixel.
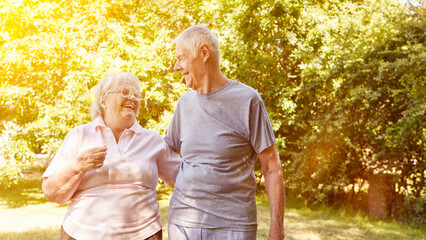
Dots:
pixel 219 127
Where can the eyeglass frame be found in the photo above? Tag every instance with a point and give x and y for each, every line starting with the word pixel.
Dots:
pixel 135 95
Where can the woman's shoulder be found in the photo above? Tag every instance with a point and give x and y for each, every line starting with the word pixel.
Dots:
pixel 145 132
pixel 85 126
pixel 83 129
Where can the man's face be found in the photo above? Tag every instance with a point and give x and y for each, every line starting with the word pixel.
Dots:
pixel 189 65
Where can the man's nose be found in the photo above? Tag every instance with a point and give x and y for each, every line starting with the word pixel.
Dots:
pixel 177 67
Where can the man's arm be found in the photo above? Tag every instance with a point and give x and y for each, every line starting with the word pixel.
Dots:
pixel 272 171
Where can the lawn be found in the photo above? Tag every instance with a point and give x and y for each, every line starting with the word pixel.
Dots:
pixel 26 215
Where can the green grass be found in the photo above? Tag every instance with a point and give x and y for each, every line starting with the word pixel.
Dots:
pixel 26 215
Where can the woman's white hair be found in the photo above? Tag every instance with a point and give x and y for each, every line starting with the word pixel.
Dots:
pixel 194 37
pixel 106 83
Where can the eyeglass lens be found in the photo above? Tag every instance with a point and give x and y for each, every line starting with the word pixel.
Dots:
pixel 127 93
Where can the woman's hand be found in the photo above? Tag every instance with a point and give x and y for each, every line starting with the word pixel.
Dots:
pixel 91 159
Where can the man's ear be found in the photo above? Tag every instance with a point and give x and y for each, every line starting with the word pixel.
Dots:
pixel 205 52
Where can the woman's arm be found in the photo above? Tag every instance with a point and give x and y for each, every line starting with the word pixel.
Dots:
pixel 61 185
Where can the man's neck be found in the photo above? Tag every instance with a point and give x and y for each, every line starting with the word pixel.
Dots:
pixel 211 81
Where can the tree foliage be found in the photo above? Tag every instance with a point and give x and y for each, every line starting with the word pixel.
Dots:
pixel 343 81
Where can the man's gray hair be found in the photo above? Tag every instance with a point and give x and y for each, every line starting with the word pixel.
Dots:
pixel 106 83
pixel 194 37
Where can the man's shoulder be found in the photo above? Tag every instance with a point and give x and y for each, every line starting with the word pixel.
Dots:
pixel 187 95
pixel 244 90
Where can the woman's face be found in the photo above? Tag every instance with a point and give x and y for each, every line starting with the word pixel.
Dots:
pixel 119 109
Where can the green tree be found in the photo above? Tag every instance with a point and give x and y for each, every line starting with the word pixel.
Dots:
pixel 343 81
pixel 54 53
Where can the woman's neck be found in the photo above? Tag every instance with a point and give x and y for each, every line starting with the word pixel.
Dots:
pixel 116 127
pixel 117 133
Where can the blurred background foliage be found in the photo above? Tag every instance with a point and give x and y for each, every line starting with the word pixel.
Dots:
pixel 343 82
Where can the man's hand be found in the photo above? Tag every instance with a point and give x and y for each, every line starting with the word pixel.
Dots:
pixel 276 235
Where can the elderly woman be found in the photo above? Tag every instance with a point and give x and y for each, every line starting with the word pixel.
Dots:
pixel 108 169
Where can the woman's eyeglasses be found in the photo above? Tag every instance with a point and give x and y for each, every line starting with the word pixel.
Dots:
pixel 126 93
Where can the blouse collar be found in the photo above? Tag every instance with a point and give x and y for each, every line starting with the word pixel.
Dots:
pixel 136 127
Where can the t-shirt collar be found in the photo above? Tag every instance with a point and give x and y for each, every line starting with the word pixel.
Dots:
pixel 217 91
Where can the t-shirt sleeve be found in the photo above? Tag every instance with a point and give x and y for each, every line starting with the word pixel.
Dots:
pixel 172 137
pixel 66 153
pixel 168 165
pixel 261 133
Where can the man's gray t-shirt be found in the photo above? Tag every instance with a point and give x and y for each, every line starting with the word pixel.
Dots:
pixel 219 135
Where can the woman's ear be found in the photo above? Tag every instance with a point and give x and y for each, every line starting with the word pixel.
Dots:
pixel 102 104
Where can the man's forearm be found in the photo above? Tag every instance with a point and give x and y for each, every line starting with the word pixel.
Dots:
pixel 276 196
pixel 272 170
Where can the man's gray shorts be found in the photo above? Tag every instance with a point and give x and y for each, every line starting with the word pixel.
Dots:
pixel 177 232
